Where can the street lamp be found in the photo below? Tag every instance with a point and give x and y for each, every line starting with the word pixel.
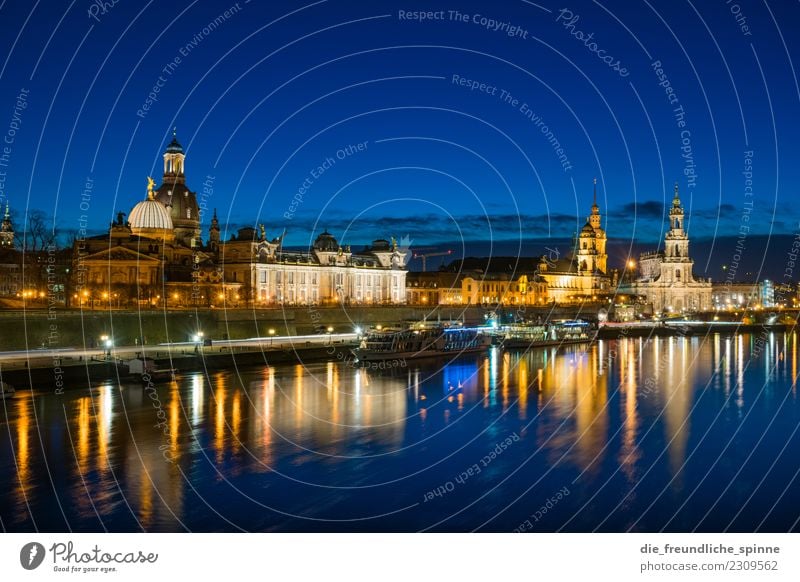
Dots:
pixel 107 344
pixel 271 333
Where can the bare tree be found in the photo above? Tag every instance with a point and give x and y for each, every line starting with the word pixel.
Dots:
pixel 37 232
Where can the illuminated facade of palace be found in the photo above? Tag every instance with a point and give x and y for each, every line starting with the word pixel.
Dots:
pixel 157 257
pixel 327 273
pixel 495 281
pixel 583 275
pixel 665 278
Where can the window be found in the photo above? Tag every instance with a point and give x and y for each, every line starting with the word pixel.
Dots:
pixel 263 276
pixel 677 273
pixel 188 213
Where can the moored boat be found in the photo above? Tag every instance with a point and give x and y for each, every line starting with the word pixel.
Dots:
pixel 421 342
pixel 6 390
pixel 557 333
pixel 147 370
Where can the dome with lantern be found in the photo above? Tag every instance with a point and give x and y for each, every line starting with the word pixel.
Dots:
pixel 151 219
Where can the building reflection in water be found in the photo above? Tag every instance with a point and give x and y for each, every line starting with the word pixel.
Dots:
pixel 590 407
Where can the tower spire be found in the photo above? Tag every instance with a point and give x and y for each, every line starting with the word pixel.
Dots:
pixel 595 191
pixel 676 201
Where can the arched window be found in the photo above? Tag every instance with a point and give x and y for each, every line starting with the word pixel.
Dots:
pixel 677 252
pixel 677 274
pixel 677 223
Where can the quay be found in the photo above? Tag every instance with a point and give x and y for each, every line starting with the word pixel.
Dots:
pixel 70 367
pixel 66 368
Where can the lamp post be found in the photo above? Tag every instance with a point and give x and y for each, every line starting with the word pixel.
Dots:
pixel 631 267
pixel 198 341
pixel 107 344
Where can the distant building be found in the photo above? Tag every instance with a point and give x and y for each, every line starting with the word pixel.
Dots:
pixel 486 281
pixel 157 257
pixel 739 295
pixel 434 288
pixel 10 259
pixel 582 275
pixel 328 273
pixel 665 278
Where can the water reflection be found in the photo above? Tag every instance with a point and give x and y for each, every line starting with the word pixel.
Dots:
pixel 218 450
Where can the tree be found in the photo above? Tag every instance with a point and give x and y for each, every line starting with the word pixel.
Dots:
pixel 37 233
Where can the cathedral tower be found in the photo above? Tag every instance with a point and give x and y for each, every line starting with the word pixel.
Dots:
pixel 601 260
pixel 676 266
pixel 213 233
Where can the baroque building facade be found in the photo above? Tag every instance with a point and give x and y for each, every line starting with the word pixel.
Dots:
pixel 583 275
pixel 157 257
pixel 666 280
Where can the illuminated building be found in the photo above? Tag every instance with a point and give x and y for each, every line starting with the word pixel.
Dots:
pixel 666 280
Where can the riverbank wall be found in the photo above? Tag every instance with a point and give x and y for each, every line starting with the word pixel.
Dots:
pixel 33 329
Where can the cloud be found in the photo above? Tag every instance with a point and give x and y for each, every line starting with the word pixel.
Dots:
pixel 644 210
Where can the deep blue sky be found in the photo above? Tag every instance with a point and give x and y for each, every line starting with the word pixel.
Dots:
pixel 279 87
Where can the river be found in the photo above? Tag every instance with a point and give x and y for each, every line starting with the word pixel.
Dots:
pixel 672 434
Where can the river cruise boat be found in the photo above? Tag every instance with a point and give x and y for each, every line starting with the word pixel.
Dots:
pixel 556 333
pixel 421 342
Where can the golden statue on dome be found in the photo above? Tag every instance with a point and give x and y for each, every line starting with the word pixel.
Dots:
pixel 150 185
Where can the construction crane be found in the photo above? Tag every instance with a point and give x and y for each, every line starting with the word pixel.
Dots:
pixel 426 256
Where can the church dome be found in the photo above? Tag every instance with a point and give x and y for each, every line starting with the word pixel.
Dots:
pixel 326 242
pixel 174 147
pixel 150 218
pixel 182 203
pixel 587 229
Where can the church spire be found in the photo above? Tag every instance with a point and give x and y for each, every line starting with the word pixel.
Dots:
pixel 6 229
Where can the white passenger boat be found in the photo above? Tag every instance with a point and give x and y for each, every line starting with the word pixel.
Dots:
pixel 557 333
pixel 422 342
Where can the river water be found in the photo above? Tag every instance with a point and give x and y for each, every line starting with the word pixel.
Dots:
pixel 674 434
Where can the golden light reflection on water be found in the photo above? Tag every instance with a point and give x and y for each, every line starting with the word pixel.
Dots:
pixel 22 455
pixel 585 405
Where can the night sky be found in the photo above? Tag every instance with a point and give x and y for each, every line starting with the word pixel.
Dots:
pixel 481 127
